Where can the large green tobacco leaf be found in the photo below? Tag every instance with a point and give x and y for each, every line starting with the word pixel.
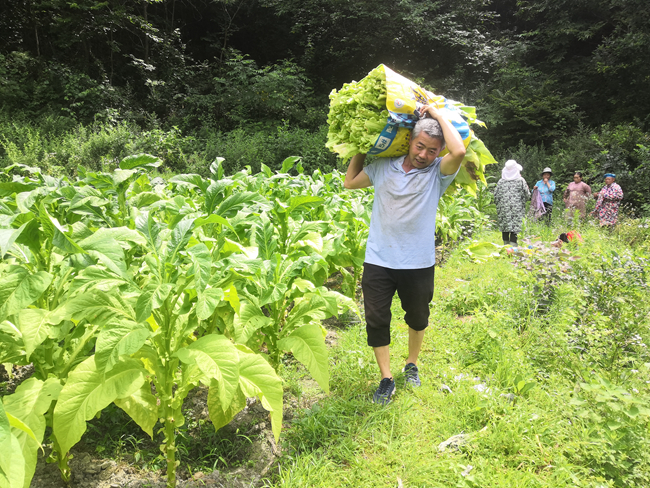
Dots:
pixel 19 289
pixel 139 161
pixel 85 196
pixel 100 308
pixel 107 251
pixel 8 237
pixel 304 201
pixel 180 237
pixel 87 392
pixel 59 235
pixel 144 199
pixel 212 219
pixel 95 277
pixel 208 301
pixel 221 414
pixel 213 195
pixel 29 403
pixel 121 235
pixel 237 201
pixel 31 236
pixel 258 378
pixel 16 477
pixel 142 407
pixel 265 238
pixel 35 326
pixel 307 308
pixel 9 188
pixel 12 462
pixel 313 240
pixel 149 229
pixel 248 321
pixel 5 441
pixel 217 358
pixel 152 298
pixel 21 427
pixel 201 266
pixel 116 340
pixel 288 163
pixel 308 346
pixel 191 180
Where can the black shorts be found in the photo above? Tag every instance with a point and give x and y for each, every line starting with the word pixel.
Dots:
pixel 414 288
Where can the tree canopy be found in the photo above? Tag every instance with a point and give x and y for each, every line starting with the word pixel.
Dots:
pixel 537 69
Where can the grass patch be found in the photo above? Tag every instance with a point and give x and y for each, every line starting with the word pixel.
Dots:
pixel 543 371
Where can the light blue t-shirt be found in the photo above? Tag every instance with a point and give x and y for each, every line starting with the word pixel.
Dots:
pixel 546 192
pixel 403 221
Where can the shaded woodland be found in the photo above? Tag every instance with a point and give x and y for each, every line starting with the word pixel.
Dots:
pixel 561 83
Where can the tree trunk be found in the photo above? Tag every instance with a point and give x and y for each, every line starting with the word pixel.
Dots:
pixel 146 37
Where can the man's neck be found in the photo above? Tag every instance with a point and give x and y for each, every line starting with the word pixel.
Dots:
pixel 406 165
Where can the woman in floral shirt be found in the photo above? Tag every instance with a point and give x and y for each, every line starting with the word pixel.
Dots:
pixel 609 199
pixel 510 197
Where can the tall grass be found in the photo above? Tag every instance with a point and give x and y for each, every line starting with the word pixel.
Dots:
pixel 58 146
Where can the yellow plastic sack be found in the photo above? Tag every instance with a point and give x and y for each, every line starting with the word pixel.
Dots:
pixel 404 99
pixel 375 116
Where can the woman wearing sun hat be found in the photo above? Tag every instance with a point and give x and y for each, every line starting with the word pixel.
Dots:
pixel 609 199
pixel 510 197
pixel 546 187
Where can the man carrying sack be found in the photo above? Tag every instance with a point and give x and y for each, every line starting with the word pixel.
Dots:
pixel 401 250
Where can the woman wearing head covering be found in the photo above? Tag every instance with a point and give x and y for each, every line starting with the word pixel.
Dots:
pixel 576 196
pixel 546 187
pixel 510 197
pixel 609 199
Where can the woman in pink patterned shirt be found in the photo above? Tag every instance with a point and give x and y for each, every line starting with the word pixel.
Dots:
pixel 576 196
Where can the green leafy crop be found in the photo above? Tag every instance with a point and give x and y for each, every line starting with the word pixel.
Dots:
pixel 357 115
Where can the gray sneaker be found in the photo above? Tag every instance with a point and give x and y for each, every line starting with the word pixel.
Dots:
pixel 411 375
pixel 384 392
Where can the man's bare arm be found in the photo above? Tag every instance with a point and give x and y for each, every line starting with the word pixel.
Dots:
pixel 451 161
pixel 356 177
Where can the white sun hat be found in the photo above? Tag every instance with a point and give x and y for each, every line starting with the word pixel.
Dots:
pixel 512 170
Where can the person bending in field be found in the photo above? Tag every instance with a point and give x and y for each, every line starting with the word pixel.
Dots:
pixel 401 248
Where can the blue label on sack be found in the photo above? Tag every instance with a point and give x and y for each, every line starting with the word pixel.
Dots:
pixel 407 121
pixel 385 139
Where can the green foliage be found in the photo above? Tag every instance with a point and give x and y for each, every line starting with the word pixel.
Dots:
pixel 341 41
pixel 526 105
pixel 59 146
pixel 245 95
pixel 253 148
pixel 458 217
pixel 619 447
pixel 357 115
pixel 123 291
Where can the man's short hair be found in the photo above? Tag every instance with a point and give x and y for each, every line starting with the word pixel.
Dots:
pixel 430 127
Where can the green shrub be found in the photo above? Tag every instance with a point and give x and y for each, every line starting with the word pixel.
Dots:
pixel 242 148
pixel 58 145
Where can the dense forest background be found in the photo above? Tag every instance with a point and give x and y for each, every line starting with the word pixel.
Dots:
pixel 560 83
